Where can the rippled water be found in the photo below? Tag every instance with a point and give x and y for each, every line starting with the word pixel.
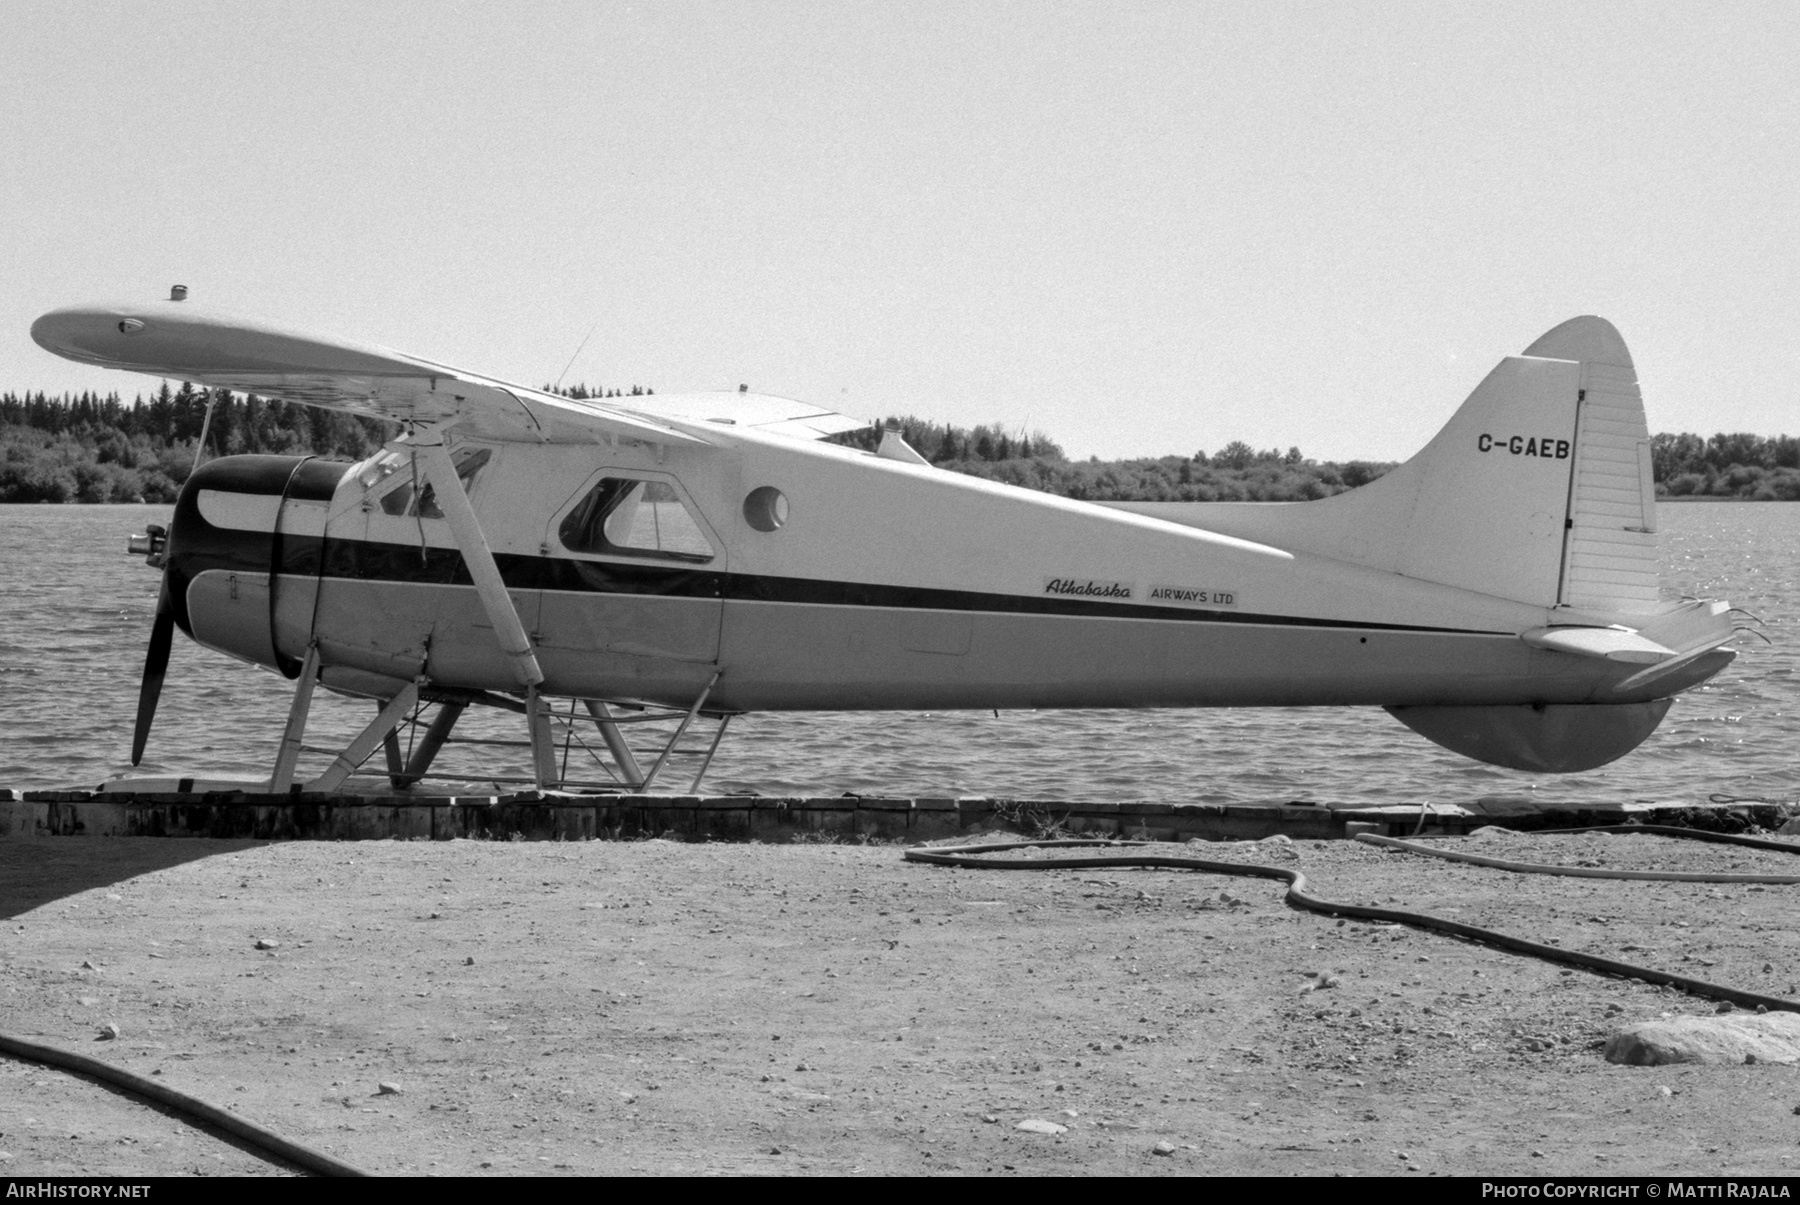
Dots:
pixel 76 612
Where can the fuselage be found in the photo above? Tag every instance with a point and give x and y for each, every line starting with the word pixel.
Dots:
pixel 813 577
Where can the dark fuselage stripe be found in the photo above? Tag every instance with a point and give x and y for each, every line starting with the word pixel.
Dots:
pixel 361 560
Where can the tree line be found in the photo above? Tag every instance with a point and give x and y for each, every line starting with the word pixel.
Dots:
pixel 1727 466
pixel 98 448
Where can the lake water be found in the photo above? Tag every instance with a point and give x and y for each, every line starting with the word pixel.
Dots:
pixel 75 615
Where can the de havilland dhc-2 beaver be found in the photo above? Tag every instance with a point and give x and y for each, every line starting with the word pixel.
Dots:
pixel 707 554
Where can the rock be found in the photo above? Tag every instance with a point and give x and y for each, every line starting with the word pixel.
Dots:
pixel 1035 1125
pixel 1276 839
pixel 1726 1039
pixel 469 962
pixel 1163 1148
pixel 264 943
pixel 108 1032
pixel 990 1119
pixel 387 1088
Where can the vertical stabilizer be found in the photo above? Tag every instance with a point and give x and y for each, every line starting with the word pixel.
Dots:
pixel 1537 490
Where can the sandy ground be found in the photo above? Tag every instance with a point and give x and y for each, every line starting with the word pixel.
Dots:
pixel 656 1007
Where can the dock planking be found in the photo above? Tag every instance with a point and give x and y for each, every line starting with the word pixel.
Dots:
pixel 369 813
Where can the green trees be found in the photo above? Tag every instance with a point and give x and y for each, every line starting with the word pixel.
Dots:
pixel 91 448
pixel 87 448
pixel 1737 465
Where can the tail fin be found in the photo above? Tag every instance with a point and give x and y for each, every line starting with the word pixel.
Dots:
pixel 1537 490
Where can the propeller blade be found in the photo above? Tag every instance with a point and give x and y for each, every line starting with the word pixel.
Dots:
pixel 156 666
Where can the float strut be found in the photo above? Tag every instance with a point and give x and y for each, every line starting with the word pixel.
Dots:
pixel 543 745
pixel 358 750
pixel 427 749
pixel 615 744
pixel 676 739
pixel 291 736
pixel 390 744
pixel 694 787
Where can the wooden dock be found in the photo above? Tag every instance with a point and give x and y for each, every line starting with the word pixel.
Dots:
pixel 367 812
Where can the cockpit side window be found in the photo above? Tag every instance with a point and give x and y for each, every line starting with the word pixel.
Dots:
pixel 407 499
pixel 623 516
pixel 468 461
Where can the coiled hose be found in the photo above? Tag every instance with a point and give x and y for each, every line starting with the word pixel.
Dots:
pixel 1299 894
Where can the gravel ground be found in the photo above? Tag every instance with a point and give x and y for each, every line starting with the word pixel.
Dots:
pixel 657 1007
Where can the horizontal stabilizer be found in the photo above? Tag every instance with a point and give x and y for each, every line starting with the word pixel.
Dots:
pixel 1612 644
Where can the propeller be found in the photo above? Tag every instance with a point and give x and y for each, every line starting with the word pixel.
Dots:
pixel 153 547
pixel 156 667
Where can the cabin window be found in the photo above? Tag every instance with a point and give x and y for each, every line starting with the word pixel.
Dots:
pixel 766 508
pixel 622 516
pixel 405 499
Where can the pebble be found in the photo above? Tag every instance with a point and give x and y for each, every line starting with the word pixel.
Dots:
pixel 1036 1125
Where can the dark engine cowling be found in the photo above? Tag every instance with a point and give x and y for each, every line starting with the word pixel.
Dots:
pixel 228 539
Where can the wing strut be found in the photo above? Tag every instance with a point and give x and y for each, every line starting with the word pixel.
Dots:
pixel 434 458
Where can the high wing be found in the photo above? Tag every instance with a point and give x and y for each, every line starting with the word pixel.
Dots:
pixel 782 416
pixel 211 347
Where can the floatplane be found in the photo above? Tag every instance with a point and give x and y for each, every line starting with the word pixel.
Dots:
pixel 706 555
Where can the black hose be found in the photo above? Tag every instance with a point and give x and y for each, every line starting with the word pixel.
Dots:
pixel 1299 896
pixel 1580 872
pixel 264 1142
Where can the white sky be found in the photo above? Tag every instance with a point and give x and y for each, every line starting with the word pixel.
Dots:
pixel 1143 228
